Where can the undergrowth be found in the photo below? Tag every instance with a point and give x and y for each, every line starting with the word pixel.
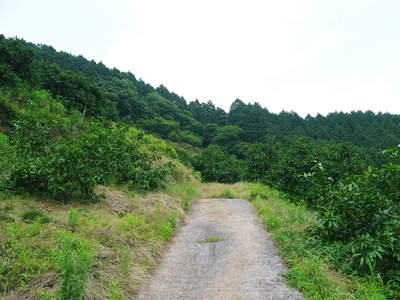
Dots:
pixel 312 267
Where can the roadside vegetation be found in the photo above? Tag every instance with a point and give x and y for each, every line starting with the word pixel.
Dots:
pixel 315 268
pixel 338 208
pixel 355 204
pixel 104 249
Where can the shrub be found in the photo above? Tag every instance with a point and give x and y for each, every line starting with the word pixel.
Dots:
pixel 282 164
pixel 216 165
pixel 64 165
pixel 362 213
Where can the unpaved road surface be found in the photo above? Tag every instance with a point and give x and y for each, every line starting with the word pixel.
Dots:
pixel 242 265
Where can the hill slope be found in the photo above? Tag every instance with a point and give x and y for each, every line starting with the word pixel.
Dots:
pixel 114 94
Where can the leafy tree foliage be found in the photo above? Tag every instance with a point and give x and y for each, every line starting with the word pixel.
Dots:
pixel 98 91
pixel 361 213
pixel 16 62
pixel 66 157
pixel 282 164
pixel 227 136
pixel 216 165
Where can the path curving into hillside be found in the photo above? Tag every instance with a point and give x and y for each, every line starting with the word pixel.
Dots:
pixel 242 265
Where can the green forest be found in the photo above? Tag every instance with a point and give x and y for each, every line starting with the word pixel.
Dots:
pixel 68 125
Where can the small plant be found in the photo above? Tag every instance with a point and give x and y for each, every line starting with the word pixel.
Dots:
pixel 210 240
pixel 83 211
pixel 115 291
pixel 225 194
pixel 125 260
pixel 172 219
pixel 33 215
pixel 43 295
pixel 166 231
pixel 228 194
pixel 74 262
pixel 185 203
pixel 254 194
pixel 73 219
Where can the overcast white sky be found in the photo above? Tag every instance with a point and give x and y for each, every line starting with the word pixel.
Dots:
pixel 309 56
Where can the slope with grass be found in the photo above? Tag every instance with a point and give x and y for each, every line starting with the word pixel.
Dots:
pixel 103 250
pixel 85 207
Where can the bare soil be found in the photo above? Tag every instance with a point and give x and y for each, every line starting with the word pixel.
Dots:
pixel 240 262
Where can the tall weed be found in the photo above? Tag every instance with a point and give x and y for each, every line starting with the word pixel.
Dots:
pixel 75 263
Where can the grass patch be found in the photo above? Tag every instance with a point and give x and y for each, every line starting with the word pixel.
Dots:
pixel 219 190
pixel 117 241
pixel 33 215
pixel 224 194
pixel 209 240
pixel 310 269
pixel 186 192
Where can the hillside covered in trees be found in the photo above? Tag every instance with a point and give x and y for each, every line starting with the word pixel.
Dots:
pixel 116 95
pixel 67 125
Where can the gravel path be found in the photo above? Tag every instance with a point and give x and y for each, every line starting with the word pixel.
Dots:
pixel 242 265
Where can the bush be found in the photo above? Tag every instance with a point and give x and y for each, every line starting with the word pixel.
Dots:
pixel 282 164
pixel 362 213
pixel 49 157
pixel 216 165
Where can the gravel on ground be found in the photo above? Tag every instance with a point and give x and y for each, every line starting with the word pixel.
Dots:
pixel 222 252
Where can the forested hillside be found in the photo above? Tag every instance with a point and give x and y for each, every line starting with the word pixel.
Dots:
pixel 116 94
pixel 68 125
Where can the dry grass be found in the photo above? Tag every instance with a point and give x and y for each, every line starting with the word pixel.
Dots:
pixel 127 232
pixel 218 190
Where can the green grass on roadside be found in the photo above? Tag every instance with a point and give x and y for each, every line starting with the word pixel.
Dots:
pixel 118 239
pixel 226 193
pixel 310 272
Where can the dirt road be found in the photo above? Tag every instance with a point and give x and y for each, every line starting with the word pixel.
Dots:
pixel 221 253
